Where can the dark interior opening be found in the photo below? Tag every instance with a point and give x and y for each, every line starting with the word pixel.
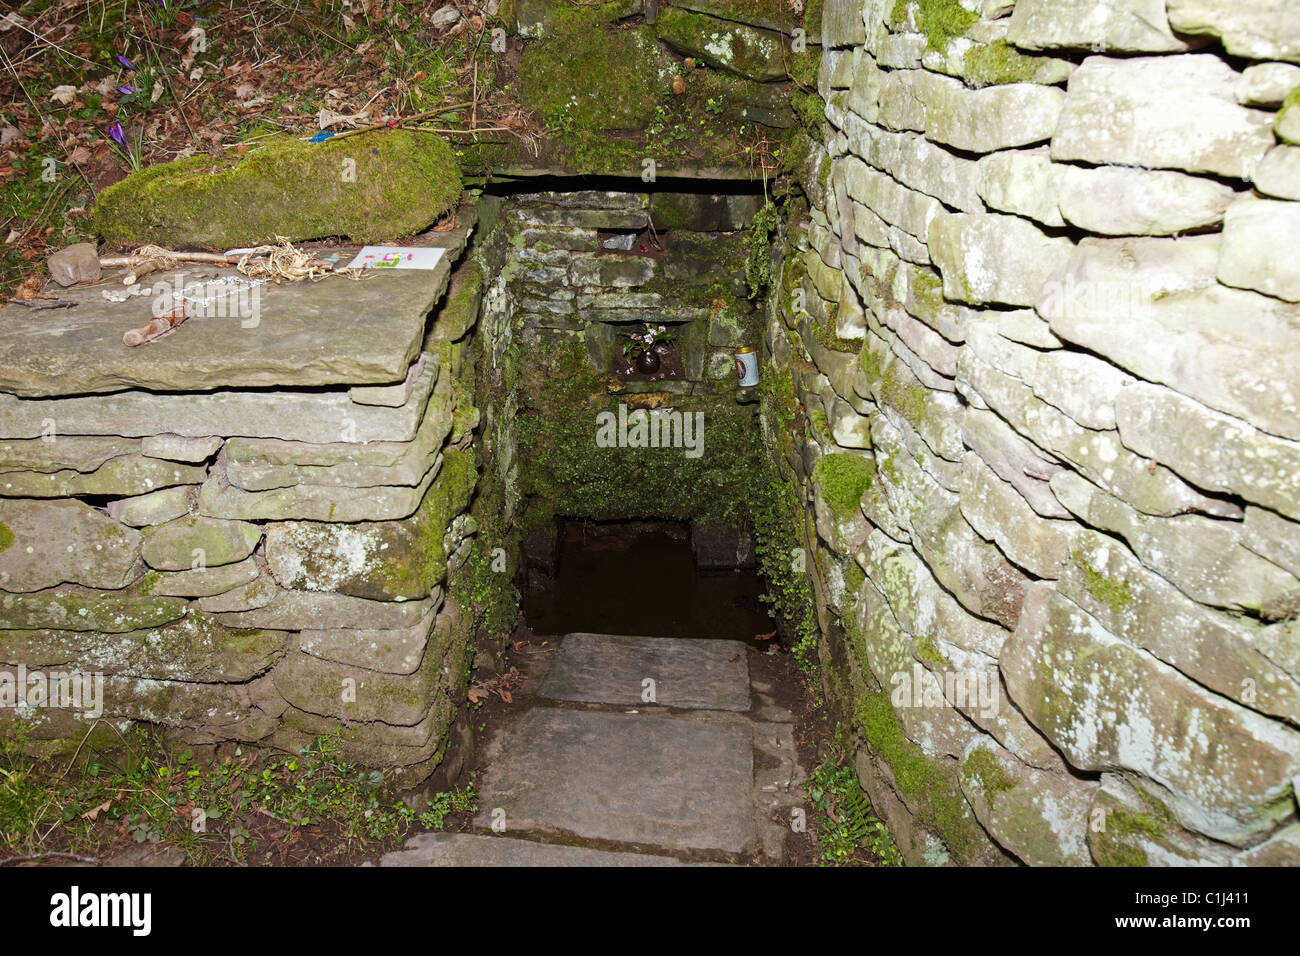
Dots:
pixel 641 578
pixel 560 183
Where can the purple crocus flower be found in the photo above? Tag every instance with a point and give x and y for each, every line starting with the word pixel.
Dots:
pixel 125 62
pixel 126 89
pixel 119 137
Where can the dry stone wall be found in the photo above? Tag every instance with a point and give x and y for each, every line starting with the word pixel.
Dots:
pixel 1041 327
pixel 256 565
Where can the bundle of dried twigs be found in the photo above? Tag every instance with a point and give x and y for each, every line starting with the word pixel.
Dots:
pixel 286 262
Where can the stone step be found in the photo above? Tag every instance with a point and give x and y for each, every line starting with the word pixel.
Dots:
pixel 678 783
pixel 612 669
pixel 464 849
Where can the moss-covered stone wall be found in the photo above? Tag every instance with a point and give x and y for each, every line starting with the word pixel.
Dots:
pixel 701 89
pixel 1028 388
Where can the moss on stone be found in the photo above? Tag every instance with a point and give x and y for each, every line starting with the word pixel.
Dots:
pixel 927 650
pixel 998 62
pixel 6 536
pixel 983 769
pixel 607 112
pixel 939 20
pixel 905 395
pixel 106 611
pixel 1116 595
pixel 585 77
pixel 854 578
pixel 811 110
pixel 1114 844
pixel 459 311
pixel 843 480
pixel 1285 125
pixel 805 66
pixel 924 781
pixel 776 393
pixel 820 423
pixel 869 364
pixel 740 49
pixel 447 497
pixel 825 332
pixel 812 17
pixel 374 186
pixel 927 289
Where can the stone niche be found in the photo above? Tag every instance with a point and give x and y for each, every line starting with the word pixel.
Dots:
pixel 245 528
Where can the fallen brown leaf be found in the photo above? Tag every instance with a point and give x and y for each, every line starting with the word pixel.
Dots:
pixel 30 288
pixel 94 812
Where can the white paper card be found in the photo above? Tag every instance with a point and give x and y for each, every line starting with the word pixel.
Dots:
pixel 397 257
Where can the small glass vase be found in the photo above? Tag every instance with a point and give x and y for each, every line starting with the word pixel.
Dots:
pixel 646 361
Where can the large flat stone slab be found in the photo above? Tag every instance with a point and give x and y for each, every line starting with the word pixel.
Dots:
pixel 305 334
pixel 676 783
pixel 612 669
pixel 302 415
pixel 465 849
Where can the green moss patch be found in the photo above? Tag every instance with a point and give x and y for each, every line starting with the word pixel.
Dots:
pixel 374 186
pixel 588 77
pixel 447 497
pixel 999 62
pixel 928 783
pixel 1285 125
pixel 939 20
pixel 1113 593
pixel 982 768
pixel 843 480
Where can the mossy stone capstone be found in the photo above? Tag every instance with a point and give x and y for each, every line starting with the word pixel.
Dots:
pixel 369 187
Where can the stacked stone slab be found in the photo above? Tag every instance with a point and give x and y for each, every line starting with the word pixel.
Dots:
pixel 1055 454
pixel 261 565
pixel 587 263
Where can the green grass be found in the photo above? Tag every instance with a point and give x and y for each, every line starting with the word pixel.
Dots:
pixel 215 811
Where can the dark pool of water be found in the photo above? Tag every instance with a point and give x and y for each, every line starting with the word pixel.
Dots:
pixel 640 578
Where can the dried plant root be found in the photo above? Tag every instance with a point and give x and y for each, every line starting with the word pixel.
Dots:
pixel 283 262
